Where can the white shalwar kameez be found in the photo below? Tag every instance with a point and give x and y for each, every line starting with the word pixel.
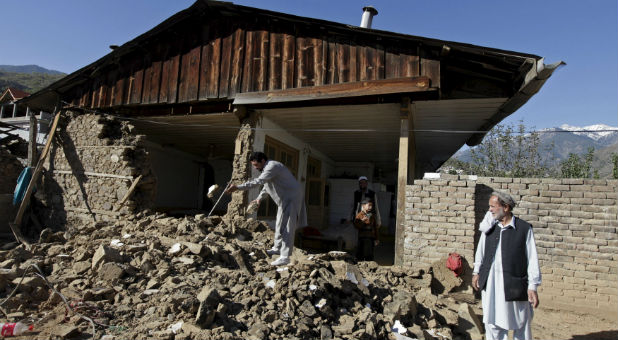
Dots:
pixel 279 183
pixel 500 315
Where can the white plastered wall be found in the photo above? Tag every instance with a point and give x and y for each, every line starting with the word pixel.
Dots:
pixel 267 127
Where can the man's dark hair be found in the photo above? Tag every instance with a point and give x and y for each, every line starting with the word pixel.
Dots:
pixel 258 156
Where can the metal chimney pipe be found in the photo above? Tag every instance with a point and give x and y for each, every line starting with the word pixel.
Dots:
pixel 368 13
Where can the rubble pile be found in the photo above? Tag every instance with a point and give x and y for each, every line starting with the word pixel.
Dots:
pixel 158 277
pixel 10 168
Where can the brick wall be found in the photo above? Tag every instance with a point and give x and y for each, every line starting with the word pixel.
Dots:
pixel 575 224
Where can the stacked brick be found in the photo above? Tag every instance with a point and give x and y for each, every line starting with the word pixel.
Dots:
pixel 91 166
pixel 575 224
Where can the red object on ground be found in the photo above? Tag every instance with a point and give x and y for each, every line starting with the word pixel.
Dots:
pixel 454 263
pixel 14 328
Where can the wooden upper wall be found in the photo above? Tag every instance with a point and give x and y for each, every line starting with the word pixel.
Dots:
pixel 214 57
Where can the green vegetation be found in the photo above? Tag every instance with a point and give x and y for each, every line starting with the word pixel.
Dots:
pixel 576 167
pixel 506 151
pixel 29 82
pixel 509 151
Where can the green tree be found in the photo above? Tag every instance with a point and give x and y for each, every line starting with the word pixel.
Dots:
pixel 508 151
pixel 576 167
pixel 615 162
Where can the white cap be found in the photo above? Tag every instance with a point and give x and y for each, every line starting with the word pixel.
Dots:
pixel 362 178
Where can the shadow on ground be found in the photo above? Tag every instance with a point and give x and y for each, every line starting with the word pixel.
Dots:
pixel 602 335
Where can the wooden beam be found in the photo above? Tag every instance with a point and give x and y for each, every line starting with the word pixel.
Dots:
pixel 407 159
pixel 35 177
pixel 129 193
pixel 33 131
pixel 343 90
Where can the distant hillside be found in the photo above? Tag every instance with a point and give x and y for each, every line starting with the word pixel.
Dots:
pixel 28 69
pixel 29 82
pixel 602 160
pixel 567 139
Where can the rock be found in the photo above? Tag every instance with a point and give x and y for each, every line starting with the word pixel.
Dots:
pixel 66 332
pixel 307 308
pixel 469 322
pixel 403 307
pixel 81 267
pixel 110 272
pixel 209 301
pixel 29 283
pixel 194 248
pixel 326 333
pixel 444 280
pixel 258 331
pixel 346 325
pixel 446 316
pixel 105 254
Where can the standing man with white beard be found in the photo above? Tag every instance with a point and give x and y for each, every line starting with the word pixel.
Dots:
pixel 506 269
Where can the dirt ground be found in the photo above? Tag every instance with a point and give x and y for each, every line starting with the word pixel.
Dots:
pixel 556 324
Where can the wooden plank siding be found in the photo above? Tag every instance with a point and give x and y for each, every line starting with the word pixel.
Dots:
pixel 216 59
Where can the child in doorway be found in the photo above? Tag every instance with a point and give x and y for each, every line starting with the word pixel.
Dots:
pixel 365 222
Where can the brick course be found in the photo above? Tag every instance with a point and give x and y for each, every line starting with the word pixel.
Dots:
pixel 574 224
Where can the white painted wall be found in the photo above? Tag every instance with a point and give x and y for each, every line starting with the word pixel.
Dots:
pixel 267 127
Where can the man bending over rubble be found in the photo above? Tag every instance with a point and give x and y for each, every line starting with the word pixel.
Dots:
pixel 284 189
pixel 506 269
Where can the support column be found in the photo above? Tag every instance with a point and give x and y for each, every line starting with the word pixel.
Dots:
pixel 241 167
pixel 405 173
pixel 33 156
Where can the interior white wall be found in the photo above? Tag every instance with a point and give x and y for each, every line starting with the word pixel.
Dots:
pixel 266 127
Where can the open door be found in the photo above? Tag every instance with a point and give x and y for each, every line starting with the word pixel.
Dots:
pixel 314 193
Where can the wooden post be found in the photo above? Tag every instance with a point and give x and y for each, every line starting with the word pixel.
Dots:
pixel 33 132
pixel 407 158
pixel 2 111
pixel 35 177
pixel 14 110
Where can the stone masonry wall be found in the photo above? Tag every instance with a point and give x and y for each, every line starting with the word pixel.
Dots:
pixel 575 225
pixel 10 168
pixel 91 166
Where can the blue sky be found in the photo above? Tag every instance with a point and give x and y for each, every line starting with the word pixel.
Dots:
pixel 66 35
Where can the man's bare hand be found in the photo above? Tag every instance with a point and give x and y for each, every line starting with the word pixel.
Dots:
pixel 533 298
pixel 231 189
pixel 475 281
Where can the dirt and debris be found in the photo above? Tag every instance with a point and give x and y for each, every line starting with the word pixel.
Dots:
pixel 155 276
pixel 161 277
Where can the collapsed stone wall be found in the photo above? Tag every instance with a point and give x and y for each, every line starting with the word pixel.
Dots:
pixel 241 168
pixel 10 168
pixel 92 164
pixel 575 224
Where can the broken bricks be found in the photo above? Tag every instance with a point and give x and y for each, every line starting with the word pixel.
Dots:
pixel 222 292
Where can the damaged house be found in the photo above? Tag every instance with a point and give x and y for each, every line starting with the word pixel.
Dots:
pixel 160 119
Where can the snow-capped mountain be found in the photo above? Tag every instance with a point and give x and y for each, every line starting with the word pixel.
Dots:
pixel 596 132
